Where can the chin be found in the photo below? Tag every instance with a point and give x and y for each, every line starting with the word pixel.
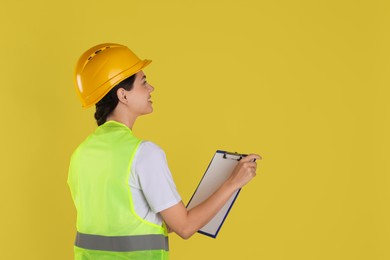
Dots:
pixel 148 111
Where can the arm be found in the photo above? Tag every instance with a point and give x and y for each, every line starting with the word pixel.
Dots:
pixel 186 222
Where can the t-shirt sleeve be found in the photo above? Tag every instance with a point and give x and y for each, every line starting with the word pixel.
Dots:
pixel 155 178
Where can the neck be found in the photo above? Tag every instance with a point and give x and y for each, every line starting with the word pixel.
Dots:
pixel 122 117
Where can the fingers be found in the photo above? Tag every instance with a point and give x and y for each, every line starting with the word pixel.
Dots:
pixel 245 170
pixel 249 163
pixel 251 158
pixel 251 166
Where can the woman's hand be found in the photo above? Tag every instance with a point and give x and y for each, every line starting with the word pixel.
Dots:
pixel 185 223
pixel 244 171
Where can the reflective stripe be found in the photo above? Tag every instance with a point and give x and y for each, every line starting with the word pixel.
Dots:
pixel 122 243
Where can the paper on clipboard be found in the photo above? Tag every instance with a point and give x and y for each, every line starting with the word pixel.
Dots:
pixel 218 171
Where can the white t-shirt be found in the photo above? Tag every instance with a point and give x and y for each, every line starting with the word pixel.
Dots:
pixel 151 183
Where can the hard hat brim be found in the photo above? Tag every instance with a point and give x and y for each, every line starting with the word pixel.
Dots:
pixel 98 94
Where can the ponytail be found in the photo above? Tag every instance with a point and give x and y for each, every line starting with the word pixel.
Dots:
pixel 109 102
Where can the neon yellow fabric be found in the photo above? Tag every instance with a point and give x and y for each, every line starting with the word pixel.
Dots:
pixel 98 179
pixel 83 254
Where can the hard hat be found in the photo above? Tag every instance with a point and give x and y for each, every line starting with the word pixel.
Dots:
pixel 101 68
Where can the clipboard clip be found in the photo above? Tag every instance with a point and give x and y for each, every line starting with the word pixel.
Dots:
pixel 233 156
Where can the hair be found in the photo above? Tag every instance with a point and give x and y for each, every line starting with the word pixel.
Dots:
pixel 109 102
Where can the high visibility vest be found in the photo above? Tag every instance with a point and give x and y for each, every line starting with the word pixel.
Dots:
pixel 107 225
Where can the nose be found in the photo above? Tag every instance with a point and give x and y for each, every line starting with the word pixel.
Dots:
pixel 151 88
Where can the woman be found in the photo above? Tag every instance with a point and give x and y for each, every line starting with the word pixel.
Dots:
pixel 122 188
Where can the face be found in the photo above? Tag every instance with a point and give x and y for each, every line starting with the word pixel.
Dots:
pixel 139 97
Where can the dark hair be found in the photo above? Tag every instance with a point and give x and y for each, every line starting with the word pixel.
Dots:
pixel 109 102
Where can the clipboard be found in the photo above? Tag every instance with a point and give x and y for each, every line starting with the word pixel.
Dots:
pixel 218 171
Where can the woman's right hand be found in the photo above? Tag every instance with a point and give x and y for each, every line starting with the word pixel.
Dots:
pixel 186 222
pixel 244 171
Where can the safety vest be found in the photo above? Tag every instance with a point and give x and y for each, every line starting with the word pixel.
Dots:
pixel 107 225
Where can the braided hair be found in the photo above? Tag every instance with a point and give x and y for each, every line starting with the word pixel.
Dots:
pixel 109 102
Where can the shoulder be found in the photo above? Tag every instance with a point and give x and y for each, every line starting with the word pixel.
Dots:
pixel 150 152
pixel 150 147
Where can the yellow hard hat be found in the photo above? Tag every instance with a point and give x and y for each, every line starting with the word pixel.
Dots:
pixel 101 68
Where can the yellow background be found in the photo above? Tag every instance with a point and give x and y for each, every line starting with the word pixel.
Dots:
pixel 303 83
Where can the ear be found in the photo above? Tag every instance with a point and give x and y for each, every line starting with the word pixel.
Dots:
pixel 121 94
